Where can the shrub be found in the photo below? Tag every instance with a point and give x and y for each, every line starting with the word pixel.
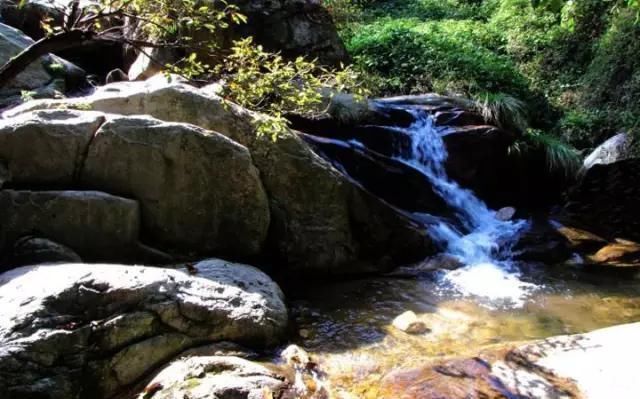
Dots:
pixel 445 56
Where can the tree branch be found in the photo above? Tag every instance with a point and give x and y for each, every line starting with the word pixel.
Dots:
pixel 50 44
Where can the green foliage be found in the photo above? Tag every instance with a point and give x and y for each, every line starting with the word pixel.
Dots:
pixel 268 83
pixel 502 110
pixel 445 56
pixel 560 157
pixel 571 65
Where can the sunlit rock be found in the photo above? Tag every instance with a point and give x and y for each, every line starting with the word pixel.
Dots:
pixel 75 330
pixel 617 148
pixel 409 323
pixel 206 377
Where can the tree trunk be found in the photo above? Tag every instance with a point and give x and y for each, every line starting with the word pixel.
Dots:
pixel 50 44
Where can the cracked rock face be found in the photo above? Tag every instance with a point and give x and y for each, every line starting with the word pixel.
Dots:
pixel 198 190
pixel 206 377
pixel 47 147
pixel 77 330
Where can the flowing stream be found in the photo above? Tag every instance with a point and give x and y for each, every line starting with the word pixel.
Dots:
pixel 491 301
pixel 479 240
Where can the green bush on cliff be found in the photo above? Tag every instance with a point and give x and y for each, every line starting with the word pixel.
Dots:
pixel 448 56
pixel 574 64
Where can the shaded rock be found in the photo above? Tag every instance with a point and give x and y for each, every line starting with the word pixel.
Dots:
pixel 95 224
pixel 75 330
pixel 47 148
pixel 617 148
pixel 38 73
pixel 197 189
pixel 292 28
pixel 408 322
pixel 604 201
pixel 542 243
pixel 204 377
pixel 35 251
pixel 5 174
pixel 28 16
pixel 320 221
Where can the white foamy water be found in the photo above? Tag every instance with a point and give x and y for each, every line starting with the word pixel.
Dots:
pixel 475 236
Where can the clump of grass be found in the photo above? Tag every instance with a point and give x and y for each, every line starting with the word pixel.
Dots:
pixel 560 157
pixel 502 110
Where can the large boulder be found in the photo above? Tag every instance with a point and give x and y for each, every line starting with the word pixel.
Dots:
pixel 292 28
pixel 37 74
pixel 604 201
pixel 47 148
pixel 320 220
pixel 198 190
pixel 75 330
pixel 95 224
pixel 617 148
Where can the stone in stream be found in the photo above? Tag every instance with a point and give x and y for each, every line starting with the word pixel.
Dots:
pixel 408 322
pixel 77 330
pixel 505 214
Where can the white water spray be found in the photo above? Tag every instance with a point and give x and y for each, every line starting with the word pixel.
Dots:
pixel 476 237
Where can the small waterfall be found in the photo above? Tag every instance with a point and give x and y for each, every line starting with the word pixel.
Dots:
pixel 475 236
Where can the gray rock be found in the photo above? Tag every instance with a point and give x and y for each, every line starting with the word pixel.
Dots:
pixel 292 28
pixel 76 330
pixel 617 148
pixel 197 189
pixel 47 148
pixel 35 250
pixel 12 42
pixel 320 221
pixel 505 214
pixel 95 224
pixel 38 73
pixel 206 377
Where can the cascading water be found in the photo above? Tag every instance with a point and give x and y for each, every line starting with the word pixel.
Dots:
pixel 475 236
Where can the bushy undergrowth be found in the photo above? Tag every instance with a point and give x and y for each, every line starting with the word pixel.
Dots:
pixel 572 65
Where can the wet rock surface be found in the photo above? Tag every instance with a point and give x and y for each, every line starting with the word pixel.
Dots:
pixel 574 366
pixel 91 330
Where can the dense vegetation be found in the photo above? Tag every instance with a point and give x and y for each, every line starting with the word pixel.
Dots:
pixel 575 64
